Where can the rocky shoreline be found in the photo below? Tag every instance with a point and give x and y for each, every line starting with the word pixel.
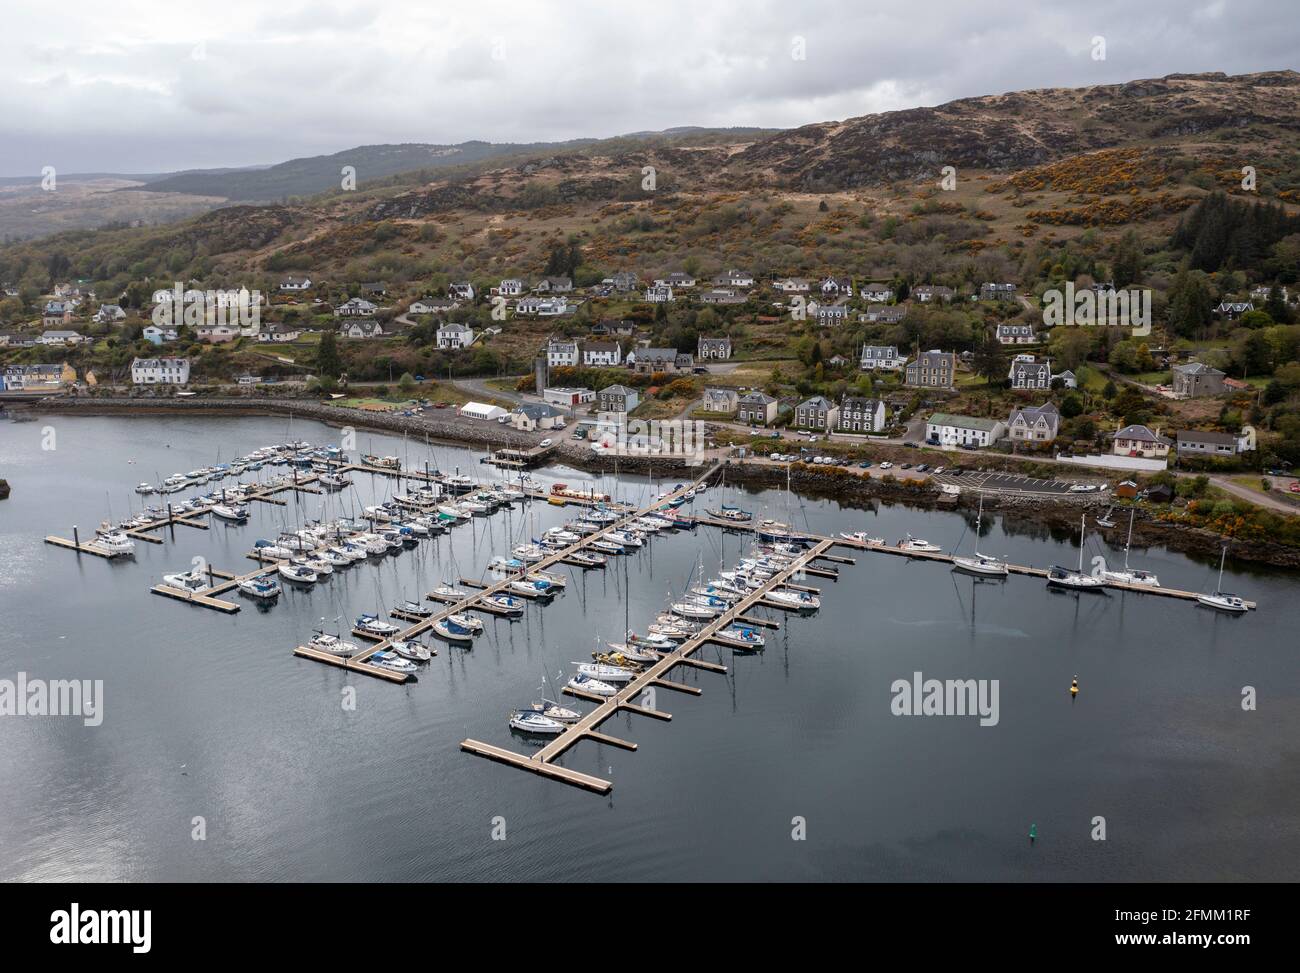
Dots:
pixel 1056 516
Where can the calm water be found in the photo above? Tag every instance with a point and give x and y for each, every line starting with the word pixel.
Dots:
pixel 211 715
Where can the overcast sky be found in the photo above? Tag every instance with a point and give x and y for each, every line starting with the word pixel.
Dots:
pixel 160 85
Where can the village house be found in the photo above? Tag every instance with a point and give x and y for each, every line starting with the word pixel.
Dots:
pixel 792 285
pixel 860 414
pixel 618 399
pixel 375 288
pixel 659 293
pixel 718 349
pixel 16 339
pixel 56 313
pixel 884 358
pixel 60 338
pixel 510 287
pixel 756 408
pixel 109 313
pixel 1068 379
pixel 278 333
pixel 454 335
pixel 355 307
pixel 650 360
pixel 607 328
pixel 160 371
pixel 542 307
pixel 1034 423
pixel 361 329
pixel 624 281
pixel 676 279
pixel 1016 334
pixel 602 353
pixel 531 416
pixel 27 378
pixel 721 400
pixel 1027 373
pixel 1262 292
pixel 876 293
pixel 461 290
pixel 295 284
pixel 156 335
pixel 1201 443
pixel 561 351
pixel 1196 379
pixel 1233 309
pixel 1139 441
pixel 883 314
pixel 836 287
pixel 943 429
pixel 932 369
pixel 734 278
pixel 432 305
pixel 723 295
pixel 816 413
pixel 932 293
pixel 830 315
pixel 554 285
pixel 216 333
pixel 997 292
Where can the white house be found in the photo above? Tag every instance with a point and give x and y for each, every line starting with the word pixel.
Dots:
pixel 156 335
pixel 602 353
pixel 876 293
pixel 60 338
pixel 510 287
pixel 561 352
pixel 160 371
pixel 361 329
pixel 356 307
pixel 461 290
pixel 659 293
pixel 1016 334
pixel 542 307
pixel 216 333
pixel 676 279
pixel 858 414
pixel 531 416
pixel 1027 373
pixel 734 278
pixel 432 305
pixel 792 285
pixel 293 283
pixel 944 429
pixel 453 335
pixel 884 358
pixel 108 313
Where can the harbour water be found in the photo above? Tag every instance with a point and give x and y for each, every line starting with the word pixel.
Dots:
pixel 211 716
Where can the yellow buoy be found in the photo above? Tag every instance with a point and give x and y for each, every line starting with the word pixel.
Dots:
pixel 1074 686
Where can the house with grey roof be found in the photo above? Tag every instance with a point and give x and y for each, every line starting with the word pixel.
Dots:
pixel 721 400
pixel 1034 423
pixel 617 398
pixel 1028 373
pixel 756 408
pixel 945 429
pixel 860 414
pixel 881 358
pixel 816 412
pixel 718 349
pixel 1196 379
pixel 1199 442
pixel 531 416
pixel 932 369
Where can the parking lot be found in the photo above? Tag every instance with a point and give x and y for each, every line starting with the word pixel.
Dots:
pixel 1013 483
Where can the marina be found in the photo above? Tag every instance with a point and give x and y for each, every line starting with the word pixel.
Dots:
pixel 463 702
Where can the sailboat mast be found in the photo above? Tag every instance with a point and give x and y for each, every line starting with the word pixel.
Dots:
pixel 1082 525
pixel 1129 540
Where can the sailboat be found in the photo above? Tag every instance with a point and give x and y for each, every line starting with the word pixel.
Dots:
pixel 1131 575
pixel 1222 600
pixel 977 563
pixel 1104 520
pixel 1059 577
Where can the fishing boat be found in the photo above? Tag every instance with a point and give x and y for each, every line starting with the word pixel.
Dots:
pixel 1131 575
pixel 458 483
pixel 114 543
pixel 190 581
pixel 447 629
pixel 862 537
pixel 297 573
pixel 911 543
pixel 731 514
pixel 382 462
pixel 530 721
pixel 585 684
pixel 393 663
pixel 412 650
pixel 333 645
pixel 739 637
pixel 373 625
pixel 977 563
pixel 1221 600
pixel 1071 579
pixel 264 587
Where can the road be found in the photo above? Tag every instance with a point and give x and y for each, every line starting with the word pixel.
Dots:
pixel 1280 484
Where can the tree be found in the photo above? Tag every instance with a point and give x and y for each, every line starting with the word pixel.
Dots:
pixel 328 361
pixel 1071 406
pixel 989 362
pixel 406 383
pixel 1126 266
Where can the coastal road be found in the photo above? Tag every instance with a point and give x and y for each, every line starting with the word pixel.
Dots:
pixel 1281 485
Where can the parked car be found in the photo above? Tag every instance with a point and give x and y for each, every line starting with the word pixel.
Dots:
pixel 546 444
pixel 907 466
pixel 1295 486
pixel 910 445
pixel 938 470
pixel 922 467
pixel 886 465
pixel 865 464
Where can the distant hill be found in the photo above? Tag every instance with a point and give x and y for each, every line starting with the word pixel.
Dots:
pixel 316 174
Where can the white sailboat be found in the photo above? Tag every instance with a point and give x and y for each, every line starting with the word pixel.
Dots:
pixel 981 564
pixel 1131 575
pixel 1221 600
pixel 1059 577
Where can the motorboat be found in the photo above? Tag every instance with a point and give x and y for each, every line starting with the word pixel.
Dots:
pixel 333 645
pixel 191 581
pixel 264 586
pixel 144 489
pixel 315 563
pixel 114 543
pixel 1222 600
pixel 393 663
pixel 911 543
pixel 530 721
pixel 731 514
pixel 862 537
pixel 373 625
pixel 298 573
